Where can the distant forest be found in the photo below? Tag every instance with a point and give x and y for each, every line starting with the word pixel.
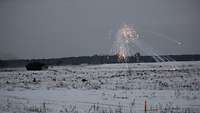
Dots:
pixel 96 59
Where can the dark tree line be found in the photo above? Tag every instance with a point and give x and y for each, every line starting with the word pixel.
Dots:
pixel 96 59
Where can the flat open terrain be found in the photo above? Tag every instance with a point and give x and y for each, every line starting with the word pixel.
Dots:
pixel 171 87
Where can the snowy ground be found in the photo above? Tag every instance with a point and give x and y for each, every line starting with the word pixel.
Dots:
pixel 172 87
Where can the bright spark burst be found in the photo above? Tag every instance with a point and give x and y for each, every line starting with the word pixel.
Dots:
pixel 125 35
pixel 122 54
pixel 127 39
pixel 128 33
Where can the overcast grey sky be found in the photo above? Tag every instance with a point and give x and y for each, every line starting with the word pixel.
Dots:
pixel 62 28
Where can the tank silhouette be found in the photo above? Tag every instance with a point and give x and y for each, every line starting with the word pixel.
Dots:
pixel 36 66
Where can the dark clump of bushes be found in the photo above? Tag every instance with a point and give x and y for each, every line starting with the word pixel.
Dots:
pixel 36 66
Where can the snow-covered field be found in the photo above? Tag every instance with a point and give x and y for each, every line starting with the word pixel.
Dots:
pixel 172 87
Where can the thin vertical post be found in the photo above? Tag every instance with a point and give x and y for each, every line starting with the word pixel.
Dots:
pixel 145 106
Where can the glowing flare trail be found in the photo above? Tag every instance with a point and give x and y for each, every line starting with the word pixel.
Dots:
pixel 127 39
